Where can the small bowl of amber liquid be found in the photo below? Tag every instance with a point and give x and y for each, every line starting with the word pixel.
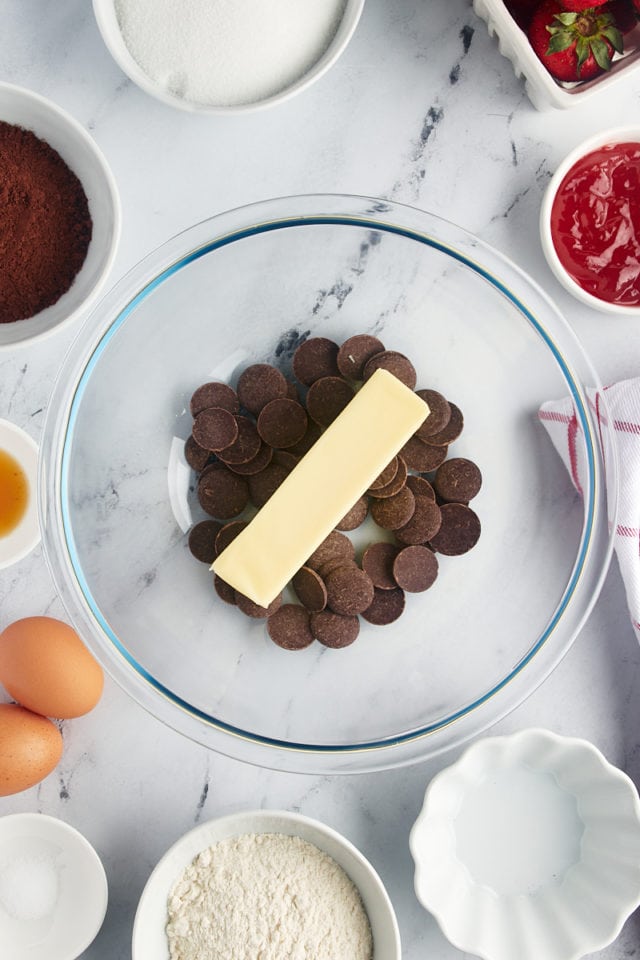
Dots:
pixel 19 527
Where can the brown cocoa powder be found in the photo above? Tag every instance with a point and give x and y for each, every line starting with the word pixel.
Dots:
pixel 45 224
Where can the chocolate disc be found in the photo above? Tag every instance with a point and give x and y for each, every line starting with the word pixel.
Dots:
pixel 252 609
pixel 452 430
pixel 394 512
pixel 458 480
pixel 424 523
pixel 282 422
pixel 335 545
pixel 327 398
pixel 349 590
pixel 289 627
pixel 386 606
pixel 334 630
pixel 354 353
pixel 355 516
pixel 310 589
pixel 286 459
pixel 292 391
pixel 258 384
pixel 315 358
pixel 395 486
pixel 195 455
pixel 202 540
pixel 420 487
pixel 261 460
pixel 332 564
pixel 439 413
pixel 377 561
pixel 459 531
pixel 215 429
pixel 264 484
pixel 303 446
pixel 221 493
pixel 215 394
pixel 245 447
pixel 415 568
pixel 228 533
pixel 224 590
pixel 422 456
pixel 388 474
pixel 396 363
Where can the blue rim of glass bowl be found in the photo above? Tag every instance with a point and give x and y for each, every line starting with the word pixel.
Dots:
pixel 255 230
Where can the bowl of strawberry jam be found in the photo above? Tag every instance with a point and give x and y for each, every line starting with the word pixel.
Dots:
pixel 590 222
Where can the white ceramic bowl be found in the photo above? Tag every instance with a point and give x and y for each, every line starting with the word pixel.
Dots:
pixel 528 847
pixel 149 936
pixel 53 889
pixel 109 27
pixel 26 535
pixel 626 134
pixel 49 122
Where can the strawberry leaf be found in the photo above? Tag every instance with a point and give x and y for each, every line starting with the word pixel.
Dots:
pixel 582 51
pixel 566 19
pixel 560 41
pixel 614 37
pixel 600 52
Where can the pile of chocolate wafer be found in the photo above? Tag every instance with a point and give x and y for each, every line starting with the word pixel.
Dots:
pixel 245 442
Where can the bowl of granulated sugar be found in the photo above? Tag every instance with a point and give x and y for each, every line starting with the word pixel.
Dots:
pixel 264 883
pixel 225 56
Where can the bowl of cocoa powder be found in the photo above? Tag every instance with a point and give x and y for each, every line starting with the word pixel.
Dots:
pixel 59 217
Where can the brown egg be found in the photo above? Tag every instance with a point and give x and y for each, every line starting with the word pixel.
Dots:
pixel 30 748
pixel 45 667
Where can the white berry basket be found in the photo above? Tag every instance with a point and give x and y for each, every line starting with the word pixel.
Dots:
pixel 543 91
pixel 149 929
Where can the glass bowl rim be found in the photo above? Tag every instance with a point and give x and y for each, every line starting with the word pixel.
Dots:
pixel 254 220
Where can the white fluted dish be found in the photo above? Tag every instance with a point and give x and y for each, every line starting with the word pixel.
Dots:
pixel 529 846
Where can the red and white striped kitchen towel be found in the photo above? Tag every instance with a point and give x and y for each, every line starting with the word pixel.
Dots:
pixel 623 401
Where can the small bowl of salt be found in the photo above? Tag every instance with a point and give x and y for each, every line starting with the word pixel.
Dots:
pixel 53 889
pixel 226 56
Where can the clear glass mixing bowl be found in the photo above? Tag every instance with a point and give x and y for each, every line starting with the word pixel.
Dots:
pixel 117 497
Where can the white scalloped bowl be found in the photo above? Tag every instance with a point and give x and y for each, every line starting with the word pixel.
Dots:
pixel 529 846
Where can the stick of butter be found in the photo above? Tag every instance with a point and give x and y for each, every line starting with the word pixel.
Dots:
pixel 340 466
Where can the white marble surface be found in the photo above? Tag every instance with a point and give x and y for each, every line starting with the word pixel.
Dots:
pixel 422 109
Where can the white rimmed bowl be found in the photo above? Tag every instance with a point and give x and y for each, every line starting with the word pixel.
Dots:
pixel 529 846
pixel 64 134
pixel 626 134
pixel 149 935
pixel 20 541
pixel 109 27
pixel 79 898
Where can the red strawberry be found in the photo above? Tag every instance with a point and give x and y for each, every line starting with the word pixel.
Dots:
pixel 577 6
pixel 625 15
pixel 573 46
pixel 522 11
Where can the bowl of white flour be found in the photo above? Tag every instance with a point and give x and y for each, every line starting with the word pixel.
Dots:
pixel 225 56
pixel 268 884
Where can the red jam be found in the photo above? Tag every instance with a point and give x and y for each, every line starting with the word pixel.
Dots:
pixel 595 223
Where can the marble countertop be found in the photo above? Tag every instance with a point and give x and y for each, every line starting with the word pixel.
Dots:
pixel 422 109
